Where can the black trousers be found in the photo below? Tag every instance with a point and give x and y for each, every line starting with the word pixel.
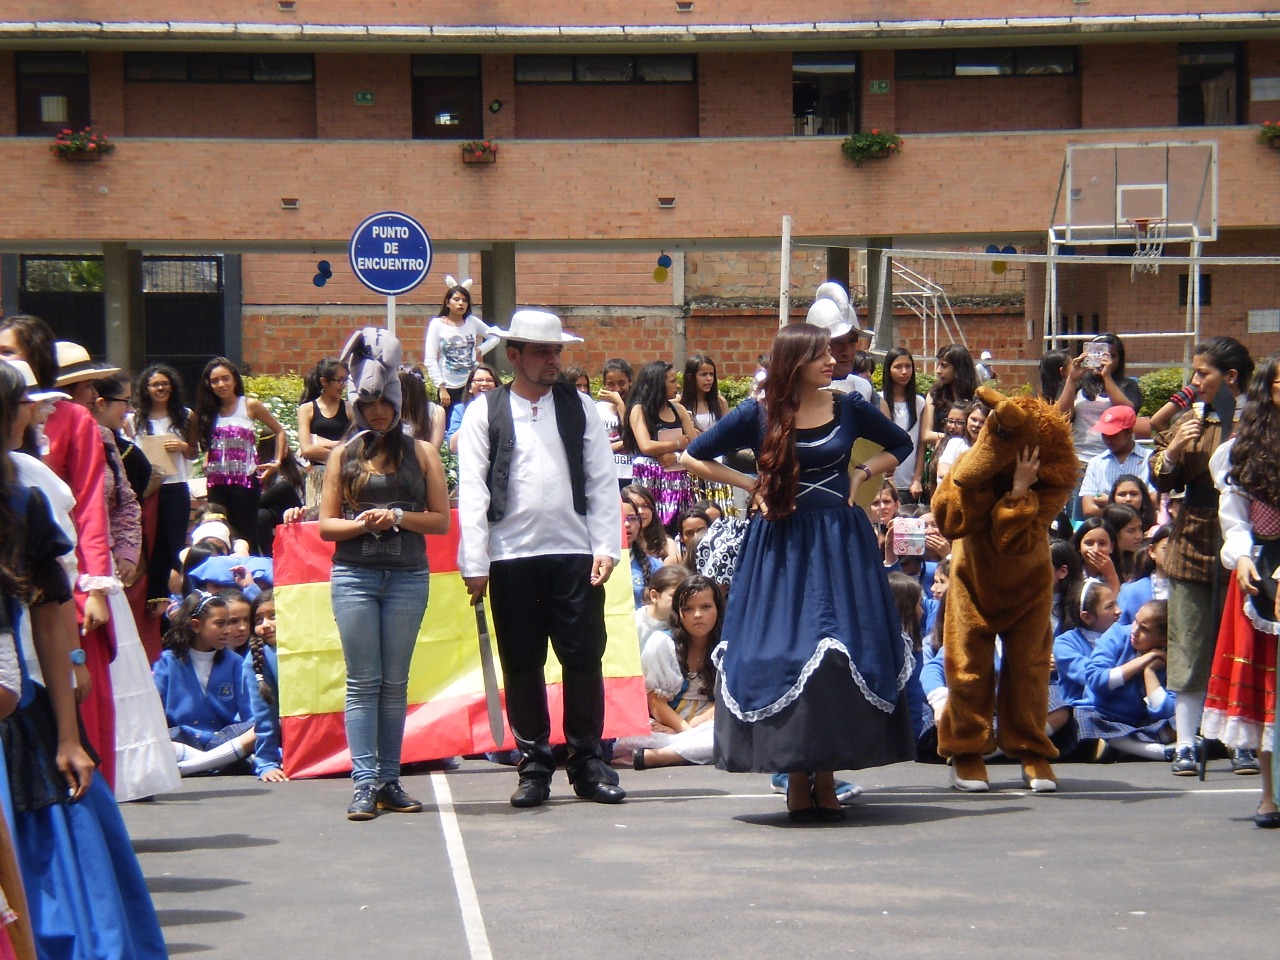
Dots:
pixel 536 599
pixel 173 516
pixel 240 505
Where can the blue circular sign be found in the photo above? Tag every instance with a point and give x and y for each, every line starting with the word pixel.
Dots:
pixel 390 253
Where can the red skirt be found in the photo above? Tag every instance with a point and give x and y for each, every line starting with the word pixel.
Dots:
pixel 1240 707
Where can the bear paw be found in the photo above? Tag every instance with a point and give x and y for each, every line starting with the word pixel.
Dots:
pixel 969 773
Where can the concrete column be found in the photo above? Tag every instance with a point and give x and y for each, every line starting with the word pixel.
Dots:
pixel 122 302
pixel 680 335
pixel 498 268
pixel 838 266
pixel 886 335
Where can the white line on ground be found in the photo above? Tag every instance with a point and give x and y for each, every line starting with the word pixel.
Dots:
pixel 468 902
pixel 940 795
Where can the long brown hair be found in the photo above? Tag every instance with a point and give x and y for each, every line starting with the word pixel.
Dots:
pixel 779 478
pixel 1255 463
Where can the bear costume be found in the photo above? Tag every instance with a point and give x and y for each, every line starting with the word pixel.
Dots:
pixel 1002 584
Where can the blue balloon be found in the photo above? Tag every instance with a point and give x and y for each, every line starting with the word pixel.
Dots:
pixel 664 261
pixel 993 248
pixel 320 279
pixel 1010 248
pixel 324 267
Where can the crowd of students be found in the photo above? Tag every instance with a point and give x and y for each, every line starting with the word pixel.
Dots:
pixel 168 635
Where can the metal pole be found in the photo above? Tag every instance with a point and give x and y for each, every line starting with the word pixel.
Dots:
pixel 784 284
pixel 391 315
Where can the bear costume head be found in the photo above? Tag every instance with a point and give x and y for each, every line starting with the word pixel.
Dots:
pixel 1014 424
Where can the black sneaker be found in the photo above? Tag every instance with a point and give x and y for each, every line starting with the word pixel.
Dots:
pixel 1244 762
pixel 364 802
pixel 391 796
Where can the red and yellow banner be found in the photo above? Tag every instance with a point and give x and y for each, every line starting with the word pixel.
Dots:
pixel 447 714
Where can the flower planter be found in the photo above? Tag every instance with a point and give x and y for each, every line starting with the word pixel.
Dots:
pixel 479 158
pixel 1274 143
pixel 80 156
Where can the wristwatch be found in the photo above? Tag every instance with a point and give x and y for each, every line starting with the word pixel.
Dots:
pixel 78 657
pixel 398 514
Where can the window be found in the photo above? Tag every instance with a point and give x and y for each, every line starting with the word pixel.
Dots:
pixel 447 98
pixel 824 93
pixel 1209 81
pixel 985 62
pixel 52 93
pixel 1206 289
pixel 605 69
pixel 219 68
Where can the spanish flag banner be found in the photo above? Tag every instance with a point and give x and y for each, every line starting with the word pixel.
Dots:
pixel 447 714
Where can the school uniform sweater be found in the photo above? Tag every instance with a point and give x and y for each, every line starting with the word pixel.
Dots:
pixel 1071 651
pixel 1124 701
pixel 267 754
pixel 200 714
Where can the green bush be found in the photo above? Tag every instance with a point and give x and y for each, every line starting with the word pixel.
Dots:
pixel 280 396
pixel 1157 386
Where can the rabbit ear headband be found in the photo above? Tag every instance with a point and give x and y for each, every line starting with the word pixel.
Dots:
pixel 450 283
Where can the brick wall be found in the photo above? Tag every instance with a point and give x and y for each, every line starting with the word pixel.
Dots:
pixel 252 110
pixel 1110 95
pixel 556 111
pixel 879 110
pixel 340 76
pixel 498 82
pixel 572 12
pixel 744 95
pixel 987 104
pixel 1262 59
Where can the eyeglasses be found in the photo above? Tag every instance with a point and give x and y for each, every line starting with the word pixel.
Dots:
pixel 124 400
pixel 955 423
pixel 160 387
pixel 340 381
pixel 631 519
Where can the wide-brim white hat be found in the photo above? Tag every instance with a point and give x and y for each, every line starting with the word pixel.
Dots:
pixel 29 378
pixel 537 326
pixel 75 365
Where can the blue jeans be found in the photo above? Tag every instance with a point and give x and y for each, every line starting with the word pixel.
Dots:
pixel 379 612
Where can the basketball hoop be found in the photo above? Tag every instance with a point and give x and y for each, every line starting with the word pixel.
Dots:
pixel 1148 238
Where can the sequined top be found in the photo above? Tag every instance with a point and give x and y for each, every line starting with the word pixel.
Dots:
pixel 233 458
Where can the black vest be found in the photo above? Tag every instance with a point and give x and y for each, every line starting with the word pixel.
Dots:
pixel 571 423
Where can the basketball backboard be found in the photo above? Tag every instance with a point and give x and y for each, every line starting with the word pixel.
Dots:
pixel 1106 188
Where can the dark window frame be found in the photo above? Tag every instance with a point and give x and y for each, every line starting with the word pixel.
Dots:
pixel 248 67
pixel 635 74
pixel 947 66
pixel 1206 289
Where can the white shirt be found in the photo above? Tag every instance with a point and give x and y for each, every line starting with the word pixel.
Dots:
pixel 854 384
pixel 540 519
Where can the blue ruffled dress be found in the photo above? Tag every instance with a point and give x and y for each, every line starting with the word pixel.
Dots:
pixel 812 662
pixel 86 894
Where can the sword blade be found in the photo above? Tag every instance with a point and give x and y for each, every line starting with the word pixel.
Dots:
pixel 492 699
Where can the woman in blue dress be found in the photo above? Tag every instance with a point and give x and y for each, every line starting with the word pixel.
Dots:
pixel 812 663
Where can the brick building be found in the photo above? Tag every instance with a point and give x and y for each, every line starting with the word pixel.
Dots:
pixel 252 140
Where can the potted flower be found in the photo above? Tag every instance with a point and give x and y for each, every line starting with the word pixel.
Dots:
pixel 1269 134
pixel 86 144
pixel 866 146
pixel 479 151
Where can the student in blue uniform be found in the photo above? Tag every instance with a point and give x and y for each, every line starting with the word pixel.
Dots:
pixel 1128 705
pixel 198 679
pixel 1094 615
pixel 259 676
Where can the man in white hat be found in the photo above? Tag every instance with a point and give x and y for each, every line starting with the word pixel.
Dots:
pixel 833 312
pixel 540 524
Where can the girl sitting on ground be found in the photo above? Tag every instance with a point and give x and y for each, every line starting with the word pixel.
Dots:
pixel 1096 545
pixel 655 613
pixel 1127 705
pixel 691 524
pixel 1126 527
pixel 1154 585
pixel 1095 614
pixel 681 679
pixel 643 564
pixel 259 678
pixel 657 542
pixel 198 680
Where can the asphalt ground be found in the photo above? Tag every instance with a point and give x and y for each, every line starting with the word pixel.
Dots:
pixel 1125 860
